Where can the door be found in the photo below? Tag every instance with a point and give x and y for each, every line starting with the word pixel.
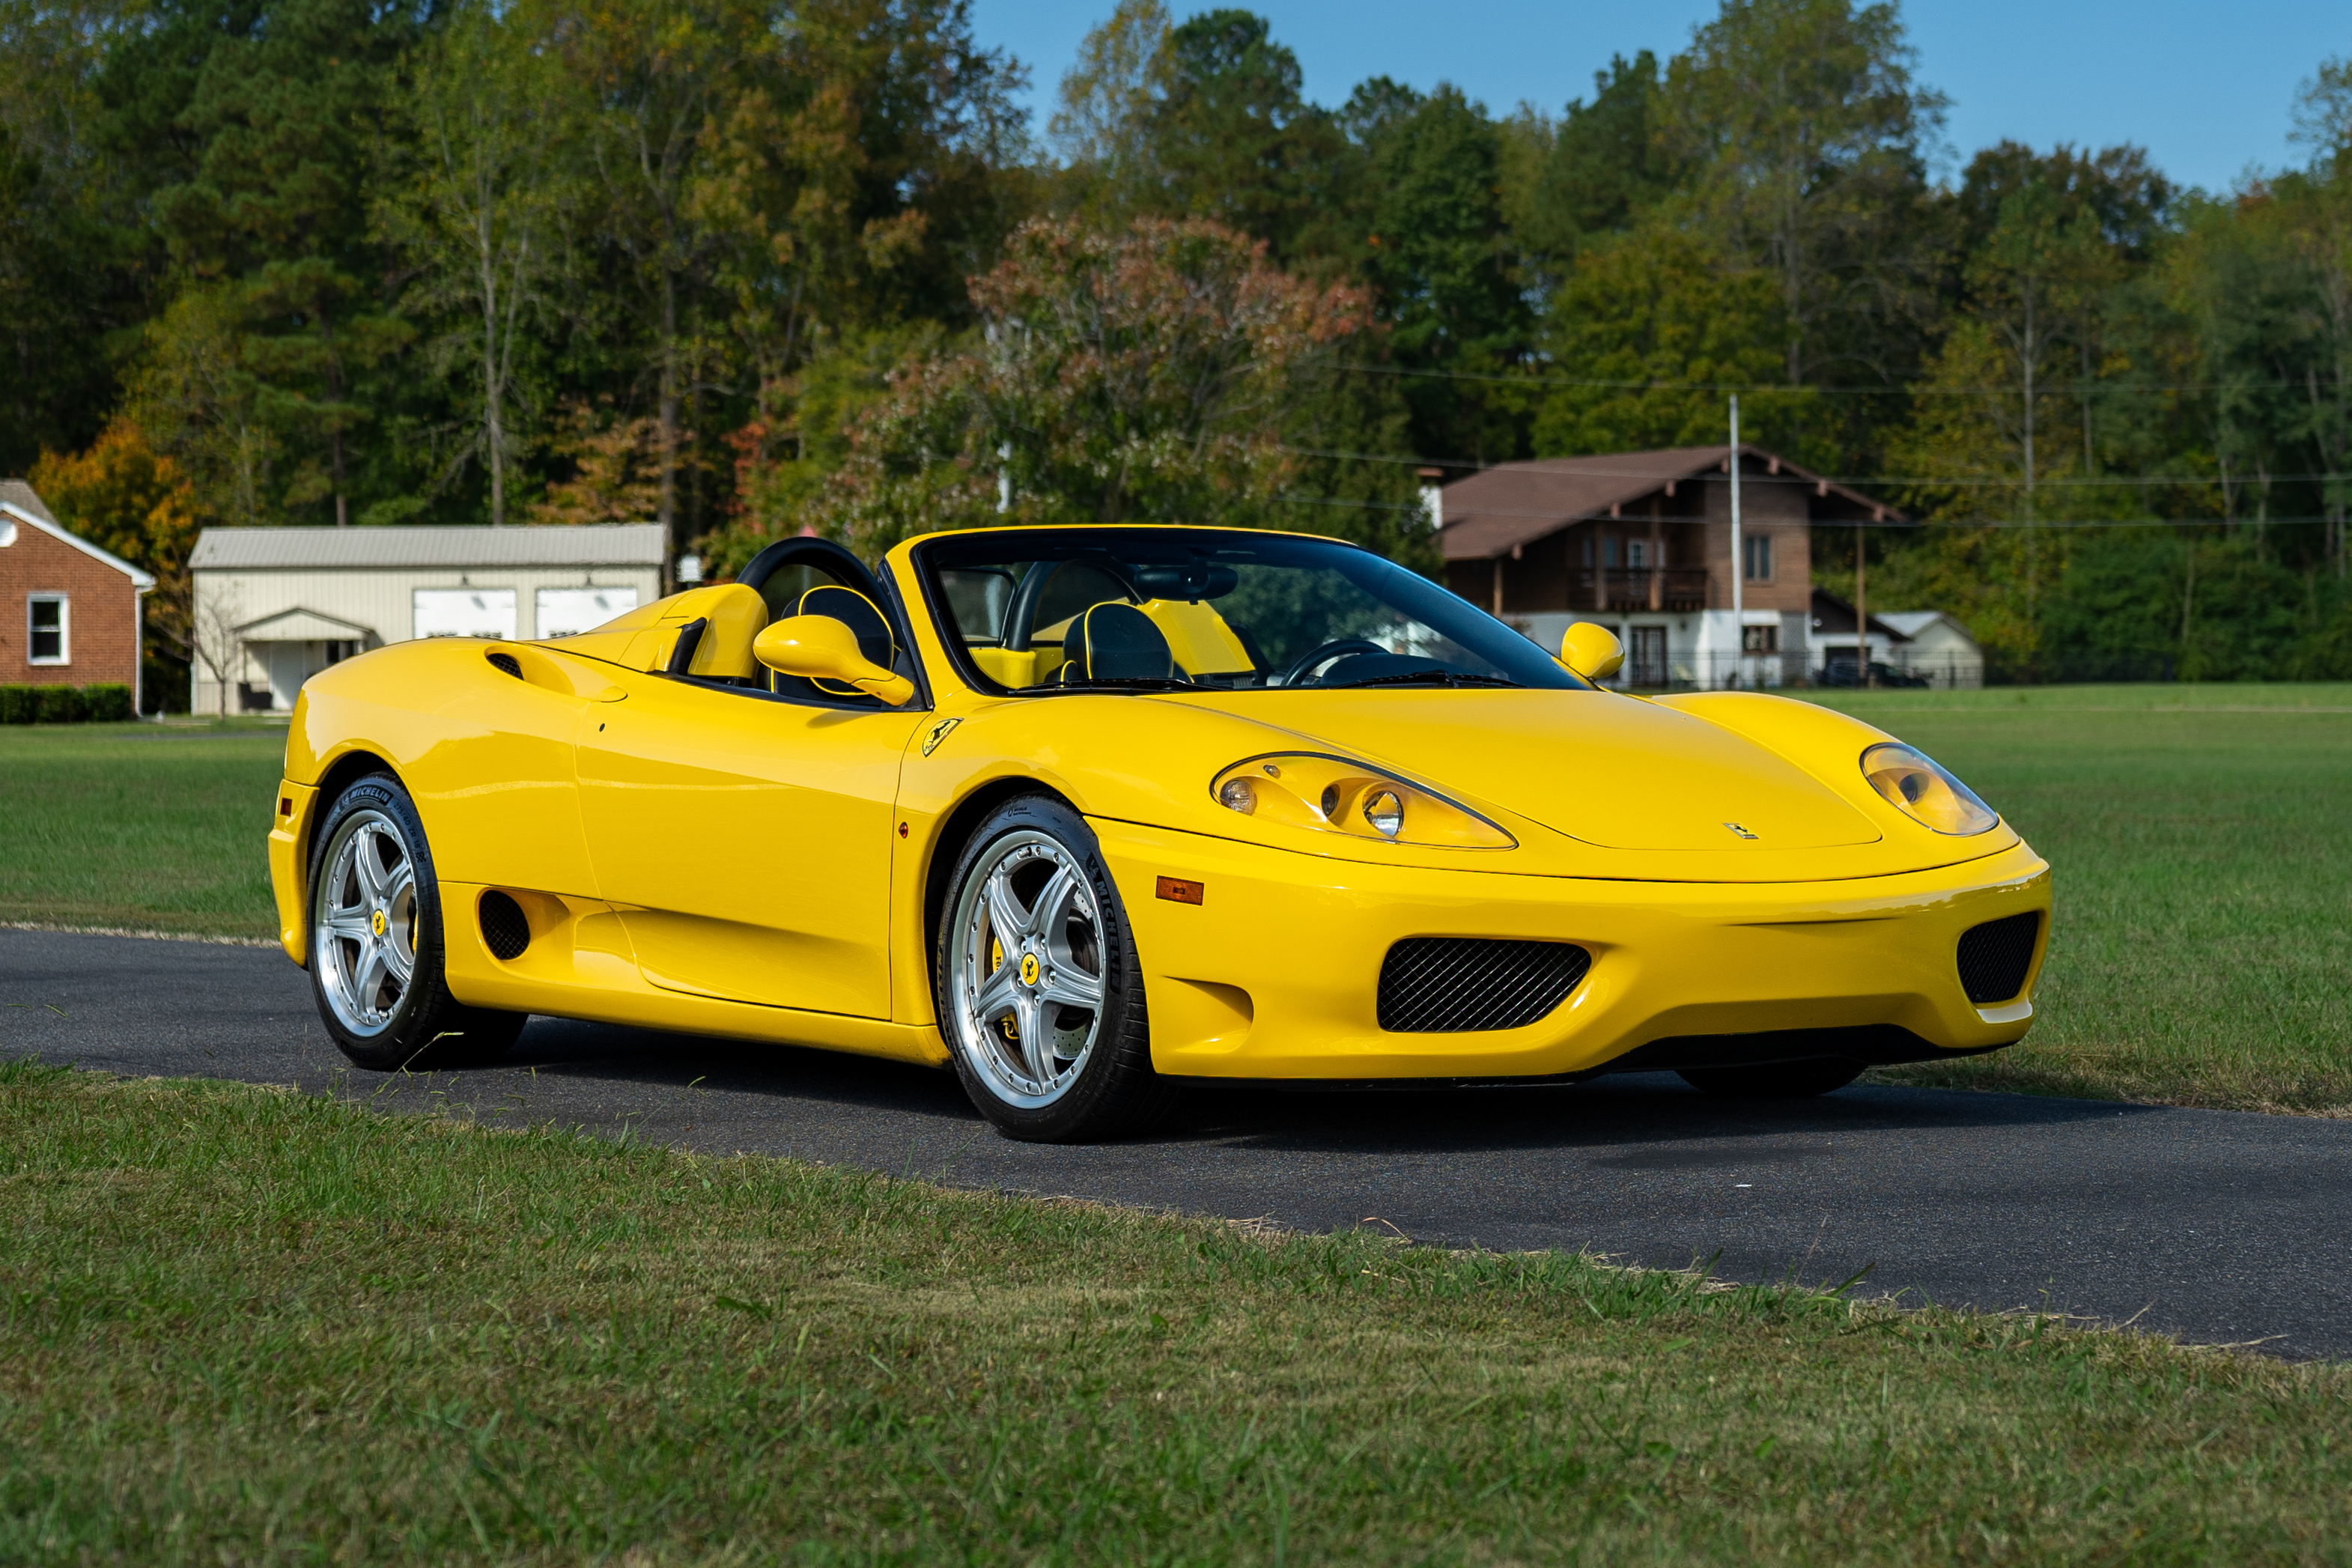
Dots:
pixel 747 840
pixel 1645 657
pixel 290 666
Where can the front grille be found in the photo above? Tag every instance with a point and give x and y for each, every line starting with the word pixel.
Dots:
pixel 1995 956
pixel 1447 984
pixel 507 662
pixel 505 932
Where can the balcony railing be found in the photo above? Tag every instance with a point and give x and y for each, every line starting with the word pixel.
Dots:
pixel 1643 589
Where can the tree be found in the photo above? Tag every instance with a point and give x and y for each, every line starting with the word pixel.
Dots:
pixel 124 497
pixel 1641 342
pixel 1436 252
pixel 1103 128
pixel 480 201
pixel 1807 139
pixel 271 214
pixel 1205 119
pixel 1131 377
pixel 1591 173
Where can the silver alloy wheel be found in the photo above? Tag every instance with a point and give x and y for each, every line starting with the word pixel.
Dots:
pixel 1025 969
pixel 366 937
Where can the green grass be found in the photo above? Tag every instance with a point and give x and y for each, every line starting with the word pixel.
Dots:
pixel 142 827
pixel 246 1326
pixel 2203 928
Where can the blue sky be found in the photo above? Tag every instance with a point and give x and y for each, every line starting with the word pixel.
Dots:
pixel 2208 89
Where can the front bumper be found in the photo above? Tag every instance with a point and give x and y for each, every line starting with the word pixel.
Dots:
pixel 1275 973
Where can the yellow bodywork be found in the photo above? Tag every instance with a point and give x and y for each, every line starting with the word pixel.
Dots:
pixel 698 858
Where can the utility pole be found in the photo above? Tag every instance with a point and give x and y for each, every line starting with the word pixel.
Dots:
pixel 1860 613
pixel 1739 563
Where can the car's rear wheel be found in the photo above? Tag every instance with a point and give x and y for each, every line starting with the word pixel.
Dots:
pixel 1773 1080
pixel 376 945
pixel 1040 994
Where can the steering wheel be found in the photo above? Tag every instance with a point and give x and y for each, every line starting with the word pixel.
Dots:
pixel 1326 654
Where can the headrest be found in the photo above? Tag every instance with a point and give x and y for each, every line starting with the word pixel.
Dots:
pixel 1113 641
pixel 865 620
pixel 731 615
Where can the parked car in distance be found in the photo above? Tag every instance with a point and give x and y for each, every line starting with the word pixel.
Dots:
pixel 1840 673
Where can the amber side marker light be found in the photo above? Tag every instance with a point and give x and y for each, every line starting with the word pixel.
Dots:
pixel 1177 890
pixel 284 805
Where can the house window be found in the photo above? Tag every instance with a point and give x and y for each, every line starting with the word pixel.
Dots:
pixel 47 629
pixel 1760 639
pixel 1756 548
pixel 1637 554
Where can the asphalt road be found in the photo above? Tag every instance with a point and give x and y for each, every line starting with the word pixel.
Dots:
pixel 2217 1226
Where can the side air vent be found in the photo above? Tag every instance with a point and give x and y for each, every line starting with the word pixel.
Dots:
pixel 1995 956
pixel 1450 985
pixel 505 932
pixel 511 665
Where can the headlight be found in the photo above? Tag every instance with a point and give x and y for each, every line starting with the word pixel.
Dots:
pixel 1913 781
pixel 1333 795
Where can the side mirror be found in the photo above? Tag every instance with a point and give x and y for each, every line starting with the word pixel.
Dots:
pixel 818 647
pixel 1592 650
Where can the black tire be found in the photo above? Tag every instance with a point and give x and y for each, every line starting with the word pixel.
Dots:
pixel 409 1021
pixel 1110 1087
pixel 1774 1080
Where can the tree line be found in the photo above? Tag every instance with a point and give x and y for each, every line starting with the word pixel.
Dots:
pixel 749 266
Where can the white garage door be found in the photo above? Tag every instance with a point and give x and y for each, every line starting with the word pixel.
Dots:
pixel 465 613
pixel 565 612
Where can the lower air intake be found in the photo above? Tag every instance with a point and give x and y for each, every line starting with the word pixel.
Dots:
pixel 505 932
pixel 1995 956
pixel 1450 985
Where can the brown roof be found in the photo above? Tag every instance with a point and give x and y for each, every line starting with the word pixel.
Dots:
pixel 1514 504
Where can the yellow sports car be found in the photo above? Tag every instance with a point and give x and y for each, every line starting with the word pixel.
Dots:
pixel 1094 813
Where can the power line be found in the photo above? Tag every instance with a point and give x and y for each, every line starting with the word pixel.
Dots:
pixel 1549 379
pixel 1988 523
pixel 1880 481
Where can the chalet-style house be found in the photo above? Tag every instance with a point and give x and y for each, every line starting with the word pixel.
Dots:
pixel 1640 542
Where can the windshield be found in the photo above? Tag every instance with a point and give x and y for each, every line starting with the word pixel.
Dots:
pixel 1040 611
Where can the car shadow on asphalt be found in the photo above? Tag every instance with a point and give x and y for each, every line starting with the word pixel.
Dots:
pixel 1643 1110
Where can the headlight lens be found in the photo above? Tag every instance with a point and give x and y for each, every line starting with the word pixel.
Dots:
pixel 1335 794
pixel 1913 781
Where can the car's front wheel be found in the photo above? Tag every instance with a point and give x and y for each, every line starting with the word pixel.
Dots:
pixel 1773 1080
pixel 375 941
pixel 1040 993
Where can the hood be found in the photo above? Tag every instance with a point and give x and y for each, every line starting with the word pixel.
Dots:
pixel 1607 770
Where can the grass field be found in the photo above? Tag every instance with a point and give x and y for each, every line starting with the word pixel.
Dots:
pixel 249 1327
pixel 143 826
pixel 2203 930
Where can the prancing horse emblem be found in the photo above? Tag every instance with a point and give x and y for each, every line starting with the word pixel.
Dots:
pixel 939 733
pixel 1028 969
pixel 1739 830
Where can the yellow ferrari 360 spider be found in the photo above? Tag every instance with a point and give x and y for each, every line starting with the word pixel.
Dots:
pixel 1095 813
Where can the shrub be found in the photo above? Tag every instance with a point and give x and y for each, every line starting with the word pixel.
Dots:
pixel 64 704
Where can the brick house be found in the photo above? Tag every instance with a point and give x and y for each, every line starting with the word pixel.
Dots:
pixel 1640 542
pixel 69 612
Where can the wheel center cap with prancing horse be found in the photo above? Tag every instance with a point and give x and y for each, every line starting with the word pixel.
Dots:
pixel 379 923
pixel 1028 969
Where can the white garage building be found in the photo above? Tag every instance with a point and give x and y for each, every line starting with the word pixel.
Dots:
pixel 275 606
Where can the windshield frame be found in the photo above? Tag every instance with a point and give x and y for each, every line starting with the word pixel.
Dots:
pixel 1070 537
